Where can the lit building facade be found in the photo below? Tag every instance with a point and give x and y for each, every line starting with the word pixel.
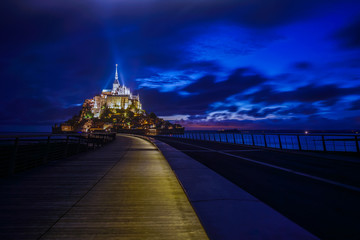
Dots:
pixel 119 97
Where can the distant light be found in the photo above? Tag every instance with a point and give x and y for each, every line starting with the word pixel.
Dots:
pixel 306 132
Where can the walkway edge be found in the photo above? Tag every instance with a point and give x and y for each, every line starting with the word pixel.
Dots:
pixel 154 143
pixel 225 210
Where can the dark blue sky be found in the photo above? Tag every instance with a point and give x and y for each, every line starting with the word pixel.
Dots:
pixel 253 64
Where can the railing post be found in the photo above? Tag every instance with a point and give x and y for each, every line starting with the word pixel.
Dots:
pixel 78 147
pixel 209 137
pixel 66 146
pixel 357 144
pixel 265 143
pixel 227 140
pixel 323 142
pixel 47 150
pixel 298 138
pixel 253 141
pixel 220 137
pixel 93 140
pixel 87 142
pixel 234 138
pixel 280 145
pixel 242 137
pixel 12 162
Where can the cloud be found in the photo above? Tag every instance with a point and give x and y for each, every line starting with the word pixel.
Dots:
pixel 165 81
pixel 325 94
pixel 259 13
pixel 210 100
pixel 303 65
pixel 349 36
pixel 202 92
pixel 312 123
pixel 169 80
pixel 355 105
pixel 201 66
pixel 303 109
pixel 257 112
pixel 240 80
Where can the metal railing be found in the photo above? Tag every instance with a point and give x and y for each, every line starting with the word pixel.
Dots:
pixel 302 142
pixel 22 152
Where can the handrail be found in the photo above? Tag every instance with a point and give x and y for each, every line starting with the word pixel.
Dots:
pixel 47 134
pixel 275 133
pixel 291 141
pixel 21 152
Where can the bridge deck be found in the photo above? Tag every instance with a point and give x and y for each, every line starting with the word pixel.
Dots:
pixel 125 190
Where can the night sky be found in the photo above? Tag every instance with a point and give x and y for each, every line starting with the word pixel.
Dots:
pixel 209 64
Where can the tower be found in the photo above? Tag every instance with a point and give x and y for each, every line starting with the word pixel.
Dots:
pixel 116 83
pixel 116 75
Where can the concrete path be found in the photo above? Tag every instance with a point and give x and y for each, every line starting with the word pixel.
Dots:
pixel 225 210
pixel 126 190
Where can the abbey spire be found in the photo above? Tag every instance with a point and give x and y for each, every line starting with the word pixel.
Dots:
pixel 116 75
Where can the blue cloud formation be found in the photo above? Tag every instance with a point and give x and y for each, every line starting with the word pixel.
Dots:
pixel 350 35
pixel 229 63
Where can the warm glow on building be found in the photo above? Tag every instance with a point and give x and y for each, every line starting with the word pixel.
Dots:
pixel 119 97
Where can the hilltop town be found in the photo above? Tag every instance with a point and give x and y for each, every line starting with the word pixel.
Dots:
pixel 116 110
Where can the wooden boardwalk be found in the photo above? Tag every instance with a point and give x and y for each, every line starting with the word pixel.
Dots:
pixel 126 190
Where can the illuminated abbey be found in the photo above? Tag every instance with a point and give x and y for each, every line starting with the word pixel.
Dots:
pixel 119 97
pixel 116 110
